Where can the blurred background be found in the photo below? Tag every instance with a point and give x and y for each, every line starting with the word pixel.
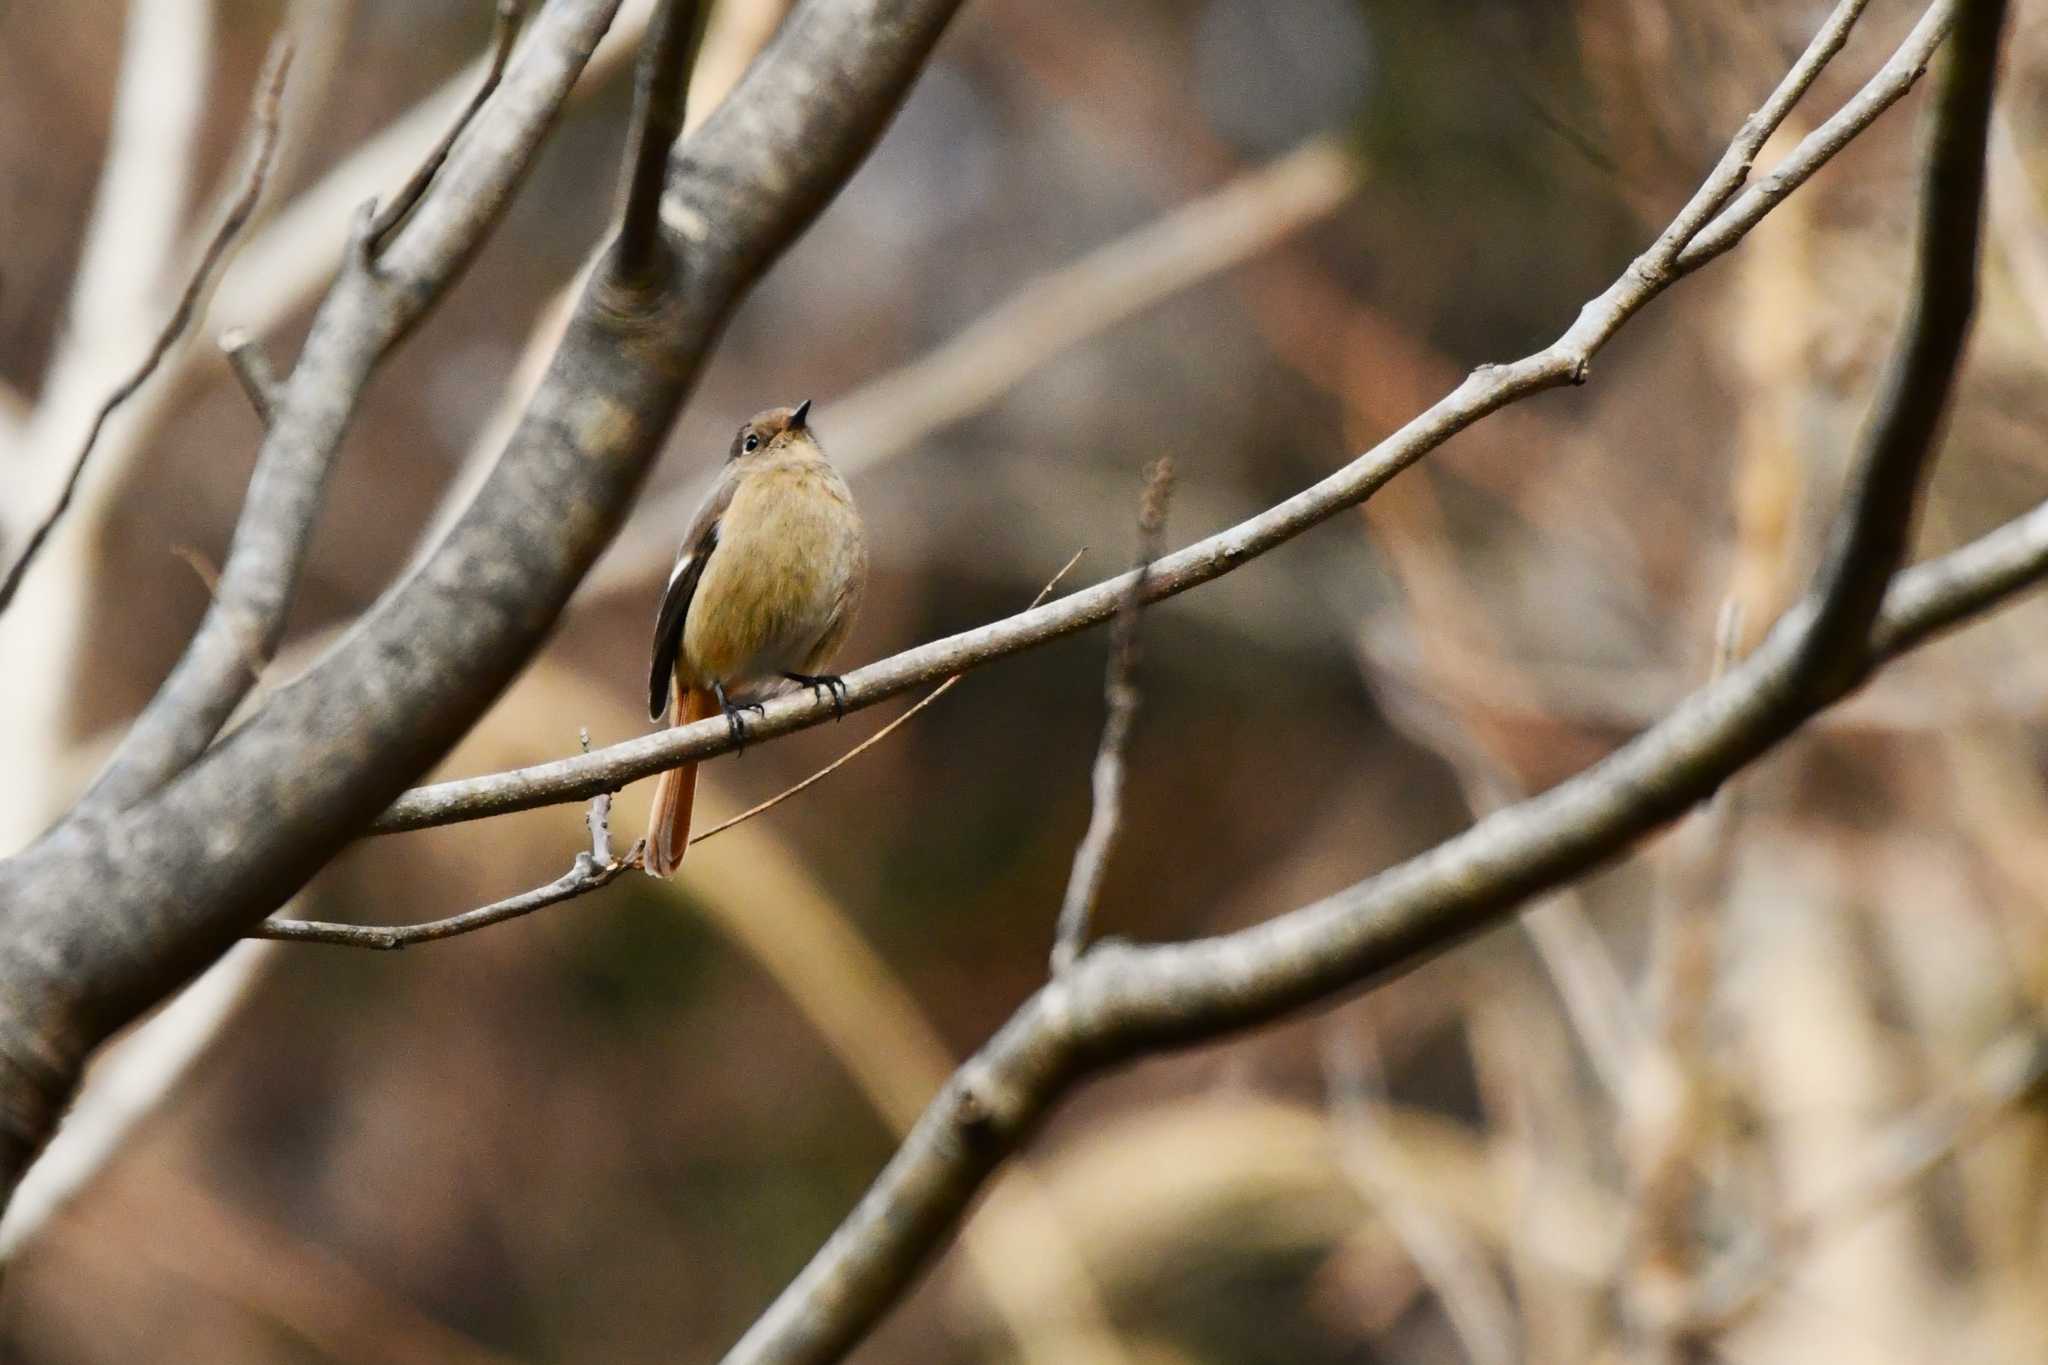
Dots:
pixel 1768 1091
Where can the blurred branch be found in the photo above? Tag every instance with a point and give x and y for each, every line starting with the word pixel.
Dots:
pixel 504 33
pixel 1120 693
pixel 127 1086
pixel 144 184
pixel 371 306
pixel 1667 1111
pixel 264 123
pixel 1487 390
pixel 2006 1074
pixel 1047 316
pixel 1473 1300
pixel 1124 1000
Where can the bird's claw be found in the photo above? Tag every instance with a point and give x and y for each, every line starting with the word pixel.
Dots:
pixel 735 716
pixel 831 684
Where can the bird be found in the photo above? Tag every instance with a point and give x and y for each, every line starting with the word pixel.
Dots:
pixel 764 592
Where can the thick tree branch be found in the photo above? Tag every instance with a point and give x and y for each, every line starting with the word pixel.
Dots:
pixel 1121 1000
pixel 192 864
pixel 371 306
pixel 1485 391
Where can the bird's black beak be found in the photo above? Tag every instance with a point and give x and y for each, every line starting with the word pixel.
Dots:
pixel 796 419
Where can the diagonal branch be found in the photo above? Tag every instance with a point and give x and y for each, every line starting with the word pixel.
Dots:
pixel 1485 391
pixel 371 306
pixel 505 22
pixel 593 869
pixel 194 860
pixel 264 120
pixel 1122 1000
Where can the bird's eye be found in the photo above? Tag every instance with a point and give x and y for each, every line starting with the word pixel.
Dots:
pixel 752 443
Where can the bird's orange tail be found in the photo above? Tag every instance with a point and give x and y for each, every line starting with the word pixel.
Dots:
pixel 675 793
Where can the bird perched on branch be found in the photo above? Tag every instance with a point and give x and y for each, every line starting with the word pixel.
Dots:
pixel 763 593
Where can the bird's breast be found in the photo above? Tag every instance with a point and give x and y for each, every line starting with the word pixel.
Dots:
pixel 781 579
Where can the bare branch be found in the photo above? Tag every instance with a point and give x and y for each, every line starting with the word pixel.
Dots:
pixel 763 807
pixel 363 316
pixel 269 91
pixel 640 257
pixel 504 33
pixel 1486 390
pixel 1122 1000
pixel 1120 694
pixel 1870 541
pixel 2005 1075
pixel 1898 75
pixel 584 876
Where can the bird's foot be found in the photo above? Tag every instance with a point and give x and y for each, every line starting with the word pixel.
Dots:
pixel 832 684
pixel 735 715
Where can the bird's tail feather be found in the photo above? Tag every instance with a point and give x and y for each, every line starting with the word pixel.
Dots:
pixel 675 793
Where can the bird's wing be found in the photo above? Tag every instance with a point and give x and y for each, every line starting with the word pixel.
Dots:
pixel 698 543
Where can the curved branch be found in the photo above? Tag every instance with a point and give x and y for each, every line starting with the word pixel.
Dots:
pixel 1121 999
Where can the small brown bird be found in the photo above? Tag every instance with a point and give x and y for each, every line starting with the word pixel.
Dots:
pixel 763 593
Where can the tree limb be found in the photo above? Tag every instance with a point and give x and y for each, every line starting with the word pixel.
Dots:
pixel 1121 1000
pixel 371 306
pixel 192 863
pixel 1484 391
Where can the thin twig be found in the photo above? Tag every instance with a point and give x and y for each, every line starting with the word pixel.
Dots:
pixel 2005 1074
pixel 1473 1301
pixel 594 868
pixel 251 365
pixel 269 95
pixel 763 807
pixel 1120 691
pixel 505 26
pixel 639 257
